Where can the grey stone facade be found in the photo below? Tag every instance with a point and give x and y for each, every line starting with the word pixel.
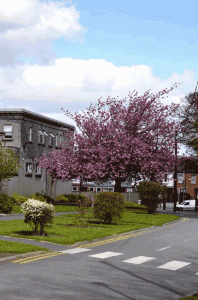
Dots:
pixel 29 135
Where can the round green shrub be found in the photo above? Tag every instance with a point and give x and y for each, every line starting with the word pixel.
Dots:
pixel 62 199
pixel 108 206
pixel 38 197
pixel 72 198
pixel 149 193
pixel 19 198
pixel 38 214
pixel 5 204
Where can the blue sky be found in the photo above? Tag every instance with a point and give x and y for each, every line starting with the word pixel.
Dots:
pixel 54 54
pixel 163 36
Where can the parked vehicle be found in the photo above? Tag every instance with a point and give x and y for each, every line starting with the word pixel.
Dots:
pixel 187 205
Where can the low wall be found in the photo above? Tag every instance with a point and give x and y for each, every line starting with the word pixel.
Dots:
pixel 134 197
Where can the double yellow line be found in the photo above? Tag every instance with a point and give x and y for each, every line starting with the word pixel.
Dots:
pixel 127 236
pixel 36 257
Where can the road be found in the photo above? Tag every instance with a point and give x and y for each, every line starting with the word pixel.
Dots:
pixel 158 263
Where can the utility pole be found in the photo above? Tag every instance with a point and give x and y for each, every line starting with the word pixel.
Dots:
pixel 175 174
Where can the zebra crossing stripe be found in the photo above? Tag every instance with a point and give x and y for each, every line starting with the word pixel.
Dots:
pixel 138 260
pixel 174 265
pixel 75 250
pixel 105 254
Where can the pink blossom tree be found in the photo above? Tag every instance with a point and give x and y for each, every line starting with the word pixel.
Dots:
pixel 119 140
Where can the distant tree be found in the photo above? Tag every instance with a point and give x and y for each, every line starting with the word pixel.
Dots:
pixel 151 193
pixel 9 164
pixel 119 140
pixel 189 121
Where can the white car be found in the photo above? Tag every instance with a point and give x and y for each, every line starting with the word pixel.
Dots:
pixel 187 205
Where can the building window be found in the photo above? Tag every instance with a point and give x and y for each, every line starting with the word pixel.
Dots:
pixel 30 134
pixel 44 134
pixel 109 189
pixel 98 189
pixel 180 178
pixel 8 131
pixel 37 170
pixel 60 139
pixel 91 189
pixel 29 168
pixel 57 140
pixel 40 137
pixel 50 139
pixel 193 179
pixel 74 188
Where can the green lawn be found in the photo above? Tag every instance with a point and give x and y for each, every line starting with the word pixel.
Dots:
pixel 70 229
pixel 15 247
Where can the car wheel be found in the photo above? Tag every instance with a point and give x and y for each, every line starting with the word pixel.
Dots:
pixel 180 208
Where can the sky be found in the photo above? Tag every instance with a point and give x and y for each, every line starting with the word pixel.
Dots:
pixel 57 54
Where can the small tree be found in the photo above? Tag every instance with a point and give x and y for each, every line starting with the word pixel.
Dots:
pixel 108 206
pixel 150 194
pixel 9 164
pixel 82 204
pixel 38 214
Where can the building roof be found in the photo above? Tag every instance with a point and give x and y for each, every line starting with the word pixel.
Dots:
pixel 33 114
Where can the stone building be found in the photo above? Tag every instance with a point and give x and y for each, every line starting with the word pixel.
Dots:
pixel 29 135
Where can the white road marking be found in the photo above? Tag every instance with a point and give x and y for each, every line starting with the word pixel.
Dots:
pixel 138 260
pixel 164 248
pixel 75 250
pixel 189 239
pixel 174 265
pixel 160 237
pixel 105 254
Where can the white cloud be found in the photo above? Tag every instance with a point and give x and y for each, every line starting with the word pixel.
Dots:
pixel 68 79
pixel 28 28
pixel 18 13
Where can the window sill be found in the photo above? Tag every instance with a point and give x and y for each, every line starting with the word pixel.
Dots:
pixel 40 144
pixel 7 140
pixel 28 174
pixel 38 175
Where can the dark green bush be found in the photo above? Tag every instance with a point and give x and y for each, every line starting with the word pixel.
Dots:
pixel 19 198
pixel 108 206
pixel 61 199
pixel 38 196
pixel 14 202
pixel 150 194
pixel 72 198
pixel 5 204
pixel 48 198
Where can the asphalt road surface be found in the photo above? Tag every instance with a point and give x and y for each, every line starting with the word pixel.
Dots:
pixel 158 263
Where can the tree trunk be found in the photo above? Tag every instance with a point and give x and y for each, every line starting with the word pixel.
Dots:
pixel 118 185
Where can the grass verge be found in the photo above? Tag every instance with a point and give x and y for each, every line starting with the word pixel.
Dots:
pixel 195 297
pixel 70 229
pixel 16 247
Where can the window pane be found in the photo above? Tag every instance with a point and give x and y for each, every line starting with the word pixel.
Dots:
pixel 8 128
pixel 28 168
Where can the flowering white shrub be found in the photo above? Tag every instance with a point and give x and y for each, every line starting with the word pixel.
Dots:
pixel 38 214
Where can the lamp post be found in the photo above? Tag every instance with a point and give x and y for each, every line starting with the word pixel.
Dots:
pixel 175 174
